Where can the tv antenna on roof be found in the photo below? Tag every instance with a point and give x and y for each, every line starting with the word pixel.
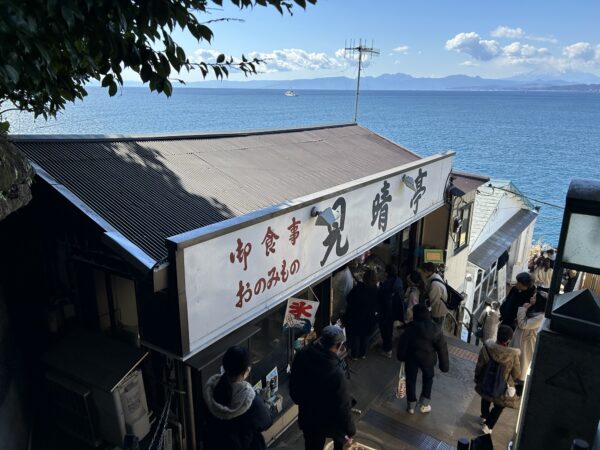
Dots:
pixel 351 49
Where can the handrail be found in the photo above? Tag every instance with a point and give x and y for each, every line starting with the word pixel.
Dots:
pixel 470 326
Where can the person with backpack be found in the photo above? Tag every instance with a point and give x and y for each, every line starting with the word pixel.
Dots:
pixel 497 370
pixel 237 416
pixel 420 346
pixel 437 295
pixel 390 307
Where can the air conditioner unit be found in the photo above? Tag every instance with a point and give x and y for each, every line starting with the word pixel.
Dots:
pixel 95 390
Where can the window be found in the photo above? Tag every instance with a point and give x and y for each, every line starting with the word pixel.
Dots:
pixel 461 228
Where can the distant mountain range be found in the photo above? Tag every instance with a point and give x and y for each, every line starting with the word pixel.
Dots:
pixel 400 82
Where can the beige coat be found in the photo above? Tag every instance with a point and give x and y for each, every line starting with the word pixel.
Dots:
pixel 490 319
pixel 437 295
pixel 509 359
pixel 542 277
pixel 526 335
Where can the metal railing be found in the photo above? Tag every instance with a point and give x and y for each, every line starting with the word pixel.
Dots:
pixel 458 323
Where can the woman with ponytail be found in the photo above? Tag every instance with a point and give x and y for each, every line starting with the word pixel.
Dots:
pixel 237 416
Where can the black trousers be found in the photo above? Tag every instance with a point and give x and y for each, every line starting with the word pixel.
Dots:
pixel 316 441
pixel 386 328
pixel 411 371
pixel 492 415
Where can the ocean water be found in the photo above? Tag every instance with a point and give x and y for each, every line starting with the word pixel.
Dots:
pixel 539 140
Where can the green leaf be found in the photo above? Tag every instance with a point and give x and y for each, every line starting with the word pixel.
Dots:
pixel 107 80
pixel 168 88
pixel 220 58
pixel 112 89
pixel 4 126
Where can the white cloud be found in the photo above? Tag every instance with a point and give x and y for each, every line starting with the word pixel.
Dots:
pixel 518 33
pixel 400 50
pixel 582 51
pixel 472 44
pixel 468 63
pixel 344 57
pixel 507 32
pixel 524 51
pixel 205 55
pixel 290 59
pixel 283 60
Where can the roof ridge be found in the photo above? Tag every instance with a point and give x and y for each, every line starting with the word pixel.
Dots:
pixel 168 136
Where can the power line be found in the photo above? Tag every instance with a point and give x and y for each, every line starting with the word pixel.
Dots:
pixel 527 197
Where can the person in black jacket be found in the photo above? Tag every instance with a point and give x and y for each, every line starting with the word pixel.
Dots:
pixel 517 297
pixel 237 416
pixel 319 386
pixel 420 346
pixel 390 307
pixel 360 318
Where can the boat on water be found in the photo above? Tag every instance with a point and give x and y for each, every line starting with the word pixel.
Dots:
pixel 290 93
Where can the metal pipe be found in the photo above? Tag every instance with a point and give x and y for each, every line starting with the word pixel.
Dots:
pixel 190 409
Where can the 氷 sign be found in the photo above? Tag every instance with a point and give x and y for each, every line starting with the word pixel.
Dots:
pixel 231 277
pixel 300 313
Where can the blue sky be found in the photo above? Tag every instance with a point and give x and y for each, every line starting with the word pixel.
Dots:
pixel 421 38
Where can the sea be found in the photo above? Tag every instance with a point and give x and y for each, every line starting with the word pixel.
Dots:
pixel 538 140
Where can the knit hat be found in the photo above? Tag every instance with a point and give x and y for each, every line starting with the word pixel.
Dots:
pixel 332 335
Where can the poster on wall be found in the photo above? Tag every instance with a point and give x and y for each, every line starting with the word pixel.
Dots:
pixel 272 380
pixel 502 283
pixel 300 314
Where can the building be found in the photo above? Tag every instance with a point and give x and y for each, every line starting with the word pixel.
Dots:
pixel 499 242
pixel 153 254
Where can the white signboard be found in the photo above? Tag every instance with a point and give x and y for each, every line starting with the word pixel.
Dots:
pixel 234 277
pixel 300 313
pixel 501 283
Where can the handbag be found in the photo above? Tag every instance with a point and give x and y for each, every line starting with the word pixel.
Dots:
pixel 401 390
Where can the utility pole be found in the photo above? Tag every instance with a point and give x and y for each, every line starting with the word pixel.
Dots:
pixel 352 49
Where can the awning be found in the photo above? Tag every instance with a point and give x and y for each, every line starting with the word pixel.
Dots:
pixel 487 253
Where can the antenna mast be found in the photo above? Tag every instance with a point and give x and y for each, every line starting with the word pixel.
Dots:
pixel 350 50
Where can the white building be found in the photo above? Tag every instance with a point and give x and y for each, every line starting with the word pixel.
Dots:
pixel 499 242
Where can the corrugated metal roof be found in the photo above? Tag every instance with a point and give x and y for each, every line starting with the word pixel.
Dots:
pixel 153 187
pixel 488 252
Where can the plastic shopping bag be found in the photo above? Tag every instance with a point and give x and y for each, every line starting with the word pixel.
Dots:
pixel 401 391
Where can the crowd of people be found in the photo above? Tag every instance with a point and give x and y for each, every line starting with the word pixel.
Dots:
pixel 318 379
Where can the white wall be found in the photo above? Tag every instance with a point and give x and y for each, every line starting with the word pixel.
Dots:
pixel 522 253
pixel 507 207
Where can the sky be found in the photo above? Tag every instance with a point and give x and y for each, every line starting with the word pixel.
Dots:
pixel 423 38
